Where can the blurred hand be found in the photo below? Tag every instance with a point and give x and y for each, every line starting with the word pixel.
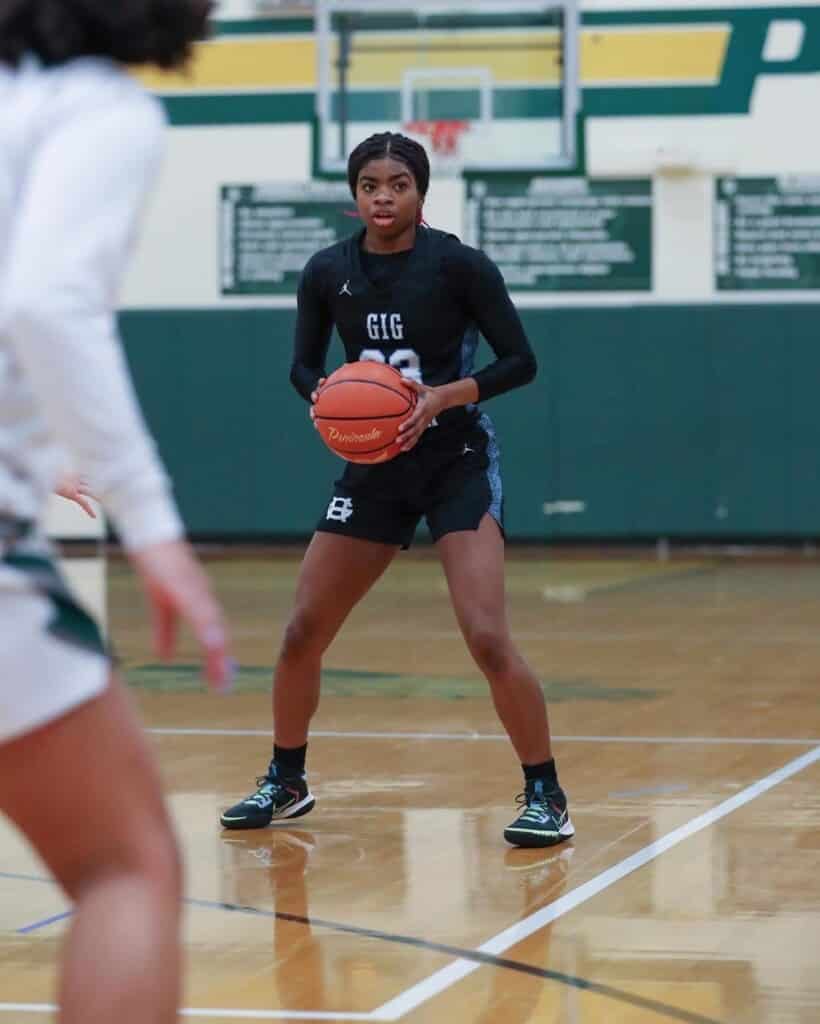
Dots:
pixel 314 395
pixel 178 588
pixel 75 488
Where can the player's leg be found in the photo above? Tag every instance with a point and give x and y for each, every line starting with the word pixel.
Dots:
pixel 336 573
pixel 473 562
pixel 77 778
pixel 85 792
pixel 465 515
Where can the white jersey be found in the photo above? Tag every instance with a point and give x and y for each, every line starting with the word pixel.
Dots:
pixel 79 148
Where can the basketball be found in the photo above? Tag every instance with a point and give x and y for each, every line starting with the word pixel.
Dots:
pixel 360 409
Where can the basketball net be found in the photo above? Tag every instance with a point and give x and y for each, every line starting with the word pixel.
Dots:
pixel 443 142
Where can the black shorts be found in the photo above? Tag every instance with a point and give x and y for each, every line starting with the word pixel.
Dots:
pixel 452 480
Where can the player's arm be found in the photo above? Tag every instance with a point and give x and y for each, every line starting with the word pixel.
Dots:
pixel 68 252
pixel 490 305
pixel 314 324
pixel 479 286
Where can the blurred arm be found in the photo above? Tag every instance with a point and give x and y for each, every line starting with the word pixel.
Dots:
pixel 70 247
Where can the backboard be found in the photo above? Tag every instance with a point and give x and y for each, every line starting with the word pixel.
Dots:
pixel 490 85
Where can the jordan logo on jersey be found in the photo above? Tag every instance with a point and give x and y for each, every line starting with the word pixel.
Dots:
pixel 340 509
pixel 345 289
pixel 385 327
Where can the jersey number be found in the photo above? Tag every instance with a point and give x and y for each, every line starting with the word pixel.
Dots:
pixel 405 360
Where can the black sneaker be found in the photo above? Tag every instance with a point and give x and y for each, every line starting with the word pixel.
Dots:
pixel 544 820
pixel 275 798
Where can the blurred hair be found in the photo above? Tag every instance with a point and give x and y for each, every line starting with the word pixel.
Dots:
pixel 159 32
pixel 397 146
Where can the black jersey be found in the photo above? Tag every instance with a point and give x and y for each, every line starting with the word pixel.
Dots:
pixel 424 320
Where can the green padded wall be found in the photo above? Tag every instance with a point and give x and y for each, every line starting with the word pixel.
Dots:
pixel 669 421
pixel 234 435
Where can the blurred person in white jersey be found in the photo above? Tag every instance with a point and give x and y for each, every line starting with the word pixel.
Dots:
pixel 80 142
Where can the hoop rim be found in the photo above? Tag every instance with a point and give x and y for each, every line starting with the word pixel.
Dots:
pixel 444 133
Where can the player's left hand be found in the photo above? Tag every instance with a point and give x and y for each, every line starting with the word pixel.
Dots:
pixel 75 488
pixel 314 398
pixel 429 404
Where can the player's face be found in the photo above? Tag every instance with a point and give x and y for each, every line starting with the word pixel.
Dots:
pixel 388 198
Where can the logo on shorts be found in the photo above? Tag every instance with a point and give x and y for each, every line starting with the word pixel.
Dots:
pixel 340 509
pixel 468 450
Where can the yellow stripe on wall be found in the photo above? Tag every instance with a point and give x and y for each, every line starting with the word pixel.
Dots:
pixel 640 55
pixel 264 62
pixel 535 58
pixel 661 57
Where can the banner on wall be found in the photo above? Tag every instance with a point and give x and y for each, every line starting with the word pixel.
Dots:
pixel 545 233
pixel 767 233
pixel 564 234
pixel 269 232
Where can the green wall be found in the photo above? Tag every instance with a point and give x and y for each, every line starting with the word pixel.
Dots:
pixel 696 421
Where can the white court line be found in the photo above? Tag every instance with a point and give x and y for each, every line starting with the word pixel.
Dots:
pixel 477 736
pixel 227 1014
pixel 437 983
pixel 276 1014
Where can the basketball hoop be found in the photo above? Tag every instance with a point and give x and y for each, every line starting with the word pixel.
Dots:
pixel 444 139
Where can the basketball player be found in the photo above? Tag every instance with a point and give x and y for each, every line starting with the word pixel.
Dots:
pixel 401 293
pixel 79 145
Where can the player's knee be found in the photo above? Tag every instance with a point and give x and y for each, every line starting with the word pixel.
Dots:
pixel 159 865
pixel 150 858
pixel 490 648
pixel 301 638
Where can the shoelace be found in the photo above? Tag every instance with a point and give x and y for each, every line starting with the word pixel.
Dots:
pixel 537 807
pixel 264 795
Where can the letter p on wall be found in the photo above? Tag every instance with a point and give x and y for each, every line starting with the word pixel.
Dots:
pixel 784 40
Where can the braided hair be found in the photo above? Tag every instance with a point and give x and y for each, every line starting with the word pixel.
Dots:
pixel 160 32
pixel 397 146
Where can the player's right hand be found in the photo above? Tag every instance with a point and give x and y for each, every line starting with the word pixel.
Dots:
pixel 314 395
pixel 75 488
pixel 177 588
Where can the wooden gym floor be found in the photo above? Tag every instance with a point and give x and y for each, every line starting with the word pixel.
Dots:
pixel 685 704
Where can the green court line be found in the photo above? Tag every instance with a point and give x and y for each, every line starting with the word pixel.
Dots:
pixel 663 577
pixel 361 683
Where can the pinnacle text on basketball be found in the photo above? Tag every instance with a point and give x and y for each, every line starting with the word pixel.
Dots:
pixel 334 434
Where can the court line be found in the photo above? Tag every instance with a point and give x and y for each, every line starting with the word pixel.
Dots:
pixel 276 1014
pixel 481 959
pixel 226 1014
pixel 489 953
pixel 26 878
pixel 45 922
pixel 423 991
pixel 487 959
pixel 335 734
pixel 547 974
pixel 661 576
pixel 12 875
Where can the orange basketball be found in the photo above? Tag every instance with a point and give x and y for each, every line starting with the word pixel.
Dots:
pixel 359 411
